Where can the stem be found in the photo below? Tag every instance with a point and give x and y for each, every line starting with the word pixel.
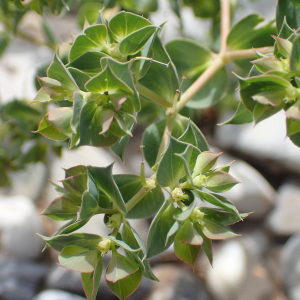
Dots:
pixel 215 66
pixel 246 54
pixel 32 39
pixel 151 95
pixel 136 198
pixel 225 23
pixel 219 62
pixel 107 211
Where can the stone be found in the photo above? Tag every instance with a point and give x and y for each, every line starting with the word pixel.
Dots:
pixel 20 280
pixel 229 270
pixel 29 182
pixel 254 193
pixel 290 266
pixel 53 294
pixel 19 224
pixel 284 219
pixel 266 140
pixel 239 271
pixel 177 283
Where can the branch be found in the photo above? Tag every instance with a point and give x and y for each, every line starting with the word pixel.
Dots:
pixel 216 65
pixel 246 54
pixel 219 62
pixel 225 23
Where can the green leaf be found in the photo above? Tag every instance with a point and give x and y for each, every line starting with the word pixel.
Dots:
pixel 241 116
pixel 122 244
pixel 292 126
pixel 295 55
pixel 216 231
pixel 97 33
pixel 207 244
pixel 262 112
pixel 61 209
pixel 78 103
pixel 188 235
pixel 159 228
pixel 205 162
pixel 293 112
pixel 107 81
pixel 195 63
pixel 218 200
pixel 268 88
pixel 175 227
pixel 289 12
pixel 171 167
pixel 76 185
pixel 220 181
pixel 153 135
pixel 125 23
pixel 49 131
pixel 160 82
pixel 60 118
pixel 210 93
pixel 255 37
pixel 122 70
pixel 59 72
pixel 106 184
pixel 186 252
pixel 83 44
pixel 80 78
pixel 126 286
pixel 186 213
pixel 295 138
pixel 77 170
pixel 140 6
pixel 120 267
pixel 52 87
pixel 136 40
pixel 42 96
pixel 71 227
pixel 192 66
pixel 223 217
pixel 120 147
pixel 90 127
pixel 129 185
pixel 91 281
pixel 89 206
pixel 88 62
pixel 4 42
pixel 85 240
pixel 78 259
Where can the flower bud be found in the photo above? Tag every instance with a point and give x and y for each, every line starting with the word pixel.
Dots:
pixel 197 215
pixel 178 195
pixel 104 246
pixel 200 180
pixel 113 221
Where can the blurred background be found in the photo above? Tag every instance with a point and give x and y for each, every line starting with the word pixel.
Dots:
pixel 264 263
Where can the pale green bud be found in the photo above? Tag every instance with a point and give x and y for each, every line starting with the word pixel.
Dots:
pixel 197 215
pixel 104 246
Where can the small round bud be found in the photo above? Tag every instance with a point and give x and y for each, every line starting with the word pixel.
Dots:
pixel 197 215
pixel 150 183
pixel 113 221
pixel 104 246
pixel 178 195
pixel 200 180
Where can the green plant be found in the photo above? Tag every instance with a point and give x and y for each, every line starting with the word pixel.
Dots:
pixel 115 69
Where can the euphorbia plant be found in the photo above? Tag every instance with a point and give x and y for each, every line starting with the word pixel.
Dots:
pixel 115 65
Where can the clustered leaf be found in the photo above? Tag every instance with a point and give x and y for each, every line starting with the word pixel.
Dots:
pixel 273 85
pixel 96 89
